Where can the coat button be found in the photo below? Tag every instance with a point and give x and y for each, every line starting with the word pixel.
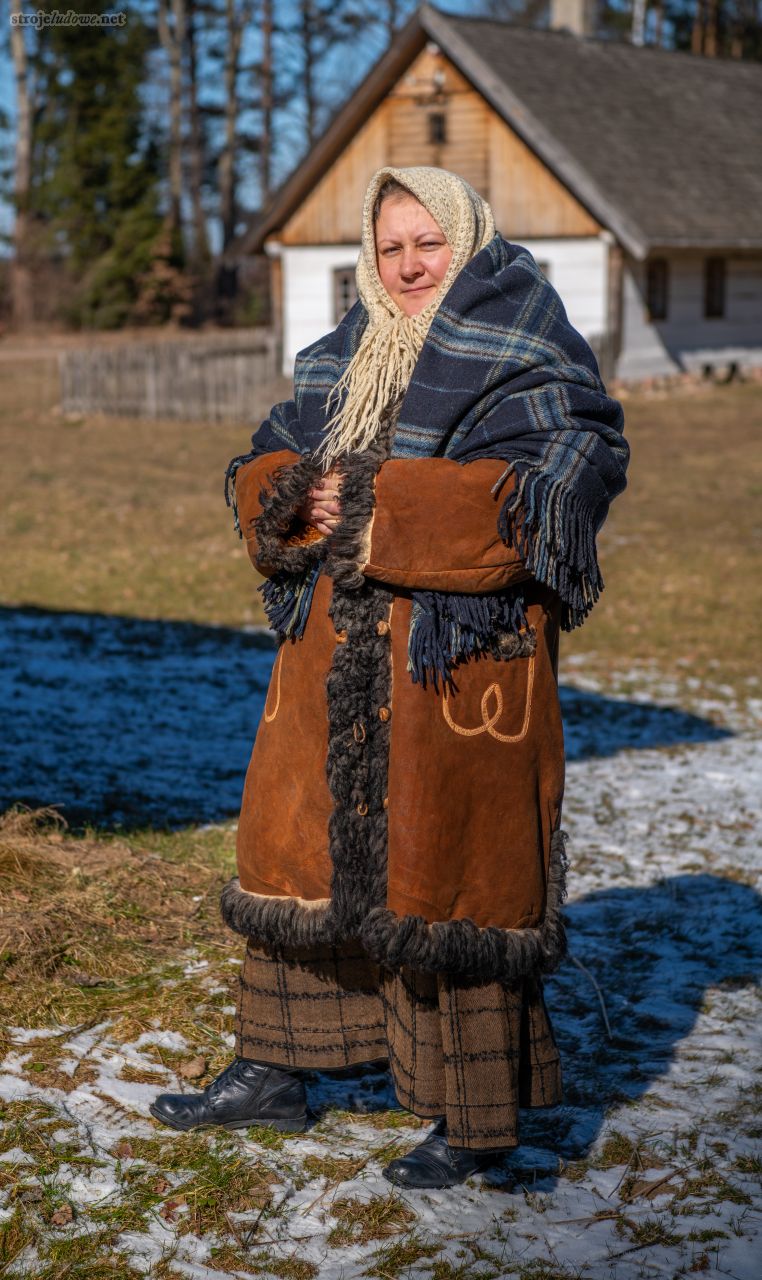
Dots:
pixel 386 802
pixel 384 713
pixel 383 628
pixel 341 637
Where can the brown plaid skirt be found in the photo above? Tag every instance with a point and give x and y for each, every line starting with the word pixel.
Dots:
pixel 472 1052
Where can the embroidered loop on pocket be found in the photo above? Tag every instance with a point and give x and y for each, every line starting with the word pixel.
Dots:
pixel 493 691
pixel 270 715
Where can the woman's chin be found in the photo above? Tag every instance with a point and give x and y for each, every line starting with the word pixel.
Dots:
pixel 413 303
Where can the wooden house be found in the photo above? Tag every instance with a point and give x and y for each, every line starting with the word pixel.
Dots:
pixel 634 176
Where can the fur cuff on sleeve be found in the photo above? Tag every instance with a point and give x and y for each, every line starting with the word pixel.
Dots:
pixel 283 540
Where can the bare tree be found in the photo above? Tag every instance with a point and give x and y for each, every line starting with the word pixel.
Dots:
pixel 638 30
pixel 238 14
pixel 196 143
pixel 267 79
pixel 321 27
pixel 173 25
pixel 21 281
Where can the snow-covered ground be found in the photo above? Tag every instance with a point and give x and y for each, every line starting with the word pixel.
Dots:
pixel 652 1165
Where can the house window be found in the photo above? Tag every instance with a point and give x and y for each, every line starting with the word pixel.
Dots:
pixel 437 128
pixel 657 288
pixel 344 292
pixel 714 288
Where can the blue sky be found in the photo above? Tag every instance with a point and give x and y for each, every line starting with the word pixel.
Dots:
pixel 363 56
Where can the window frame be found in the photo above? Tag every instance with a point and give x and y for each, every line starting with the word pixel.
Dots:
pixel 343 278
pixel 437 123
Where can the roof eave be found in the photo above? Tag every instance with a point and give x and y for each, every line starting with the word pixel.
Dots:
pixel 705 244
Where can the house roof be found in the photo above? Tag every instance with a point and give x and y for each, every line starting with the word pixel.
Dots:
pixel 662 148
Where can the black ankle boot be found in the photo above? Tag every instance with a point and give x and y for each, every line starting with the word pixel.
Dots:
pixel 245 1093
pixel 434 1164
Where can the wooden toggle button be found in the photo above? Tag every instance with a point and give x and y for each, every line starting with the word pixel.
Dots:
pixel 384 713
pixel 341 637
pixel 382 628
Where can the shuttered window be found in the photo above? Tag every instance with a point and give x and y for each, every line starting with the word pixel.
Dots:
pixel 714 288
pixel 657 288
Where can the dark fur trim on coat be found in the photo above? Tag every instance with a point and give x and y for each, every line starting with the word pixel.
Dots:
pixel 345 545
pixel 289 487
pixel 480 954
pixel 457 947
pixel 346 553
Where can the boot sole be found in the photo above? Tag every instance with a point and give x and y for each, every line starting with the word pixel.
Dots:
pixel 296 1125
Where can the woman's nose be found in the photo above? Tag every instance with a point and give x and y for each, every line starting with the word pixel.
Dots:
pixel 411 266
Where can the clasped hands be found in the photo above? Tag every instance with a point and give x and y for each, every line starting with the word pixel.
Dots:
pixel 322 508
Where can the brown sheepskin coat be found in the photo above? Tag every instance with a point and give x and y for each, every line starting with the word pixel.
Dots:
pixel 423 821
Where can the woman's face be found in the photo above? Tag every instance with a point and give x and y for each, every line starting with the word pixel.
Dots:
pixel 411 252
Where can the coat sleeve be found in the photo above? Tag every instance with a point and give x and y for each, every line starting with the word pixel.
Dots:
pixel 434 526
pixel 268 492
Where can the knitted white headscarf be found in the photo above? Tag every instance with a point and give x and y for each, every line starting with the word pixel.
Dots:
pixel 384 361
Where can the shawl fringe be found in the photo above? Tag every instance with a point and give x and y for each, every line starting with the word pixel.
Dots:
pixel 553 531
pixel 447 628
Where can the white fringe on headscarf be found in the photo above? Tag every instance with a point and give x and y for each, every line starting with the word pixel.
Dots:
pixel 382 366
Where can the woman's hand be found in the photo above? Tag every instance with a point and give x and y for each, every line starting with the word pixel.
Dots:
pixel 322 507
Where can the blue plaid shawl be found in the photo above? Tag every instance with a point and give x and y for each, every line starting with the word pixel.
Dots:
pixel 502 374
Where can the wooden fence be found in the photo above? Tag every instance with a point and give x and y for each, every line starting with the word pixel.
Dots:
pixel 212 378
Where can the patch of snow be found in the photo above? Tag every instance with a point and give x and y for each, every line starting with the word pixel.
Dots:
pixel 167 1039
pixel 24 1035
pixel 15 1155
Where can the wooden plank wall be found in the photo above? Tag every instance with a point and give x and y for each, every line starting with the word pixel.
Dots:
pixel 527 199
pixel 217 378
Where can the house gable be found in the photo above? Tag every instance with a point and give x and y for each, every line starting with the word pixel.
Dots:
pixel 527 199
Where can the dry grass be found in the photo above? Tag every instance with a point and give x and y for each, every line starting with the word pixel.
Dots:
pixel 680 551
pixel 359 1221
pixel 91 926
pixel 118 517
pixel 124 516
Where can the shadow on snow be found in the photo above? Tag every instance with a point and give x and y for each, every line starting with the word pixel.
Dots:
pixel 128 722
pixel 655 952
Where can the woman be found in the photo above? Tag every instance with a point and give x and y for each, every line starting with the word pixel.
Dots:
pixel 424 513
